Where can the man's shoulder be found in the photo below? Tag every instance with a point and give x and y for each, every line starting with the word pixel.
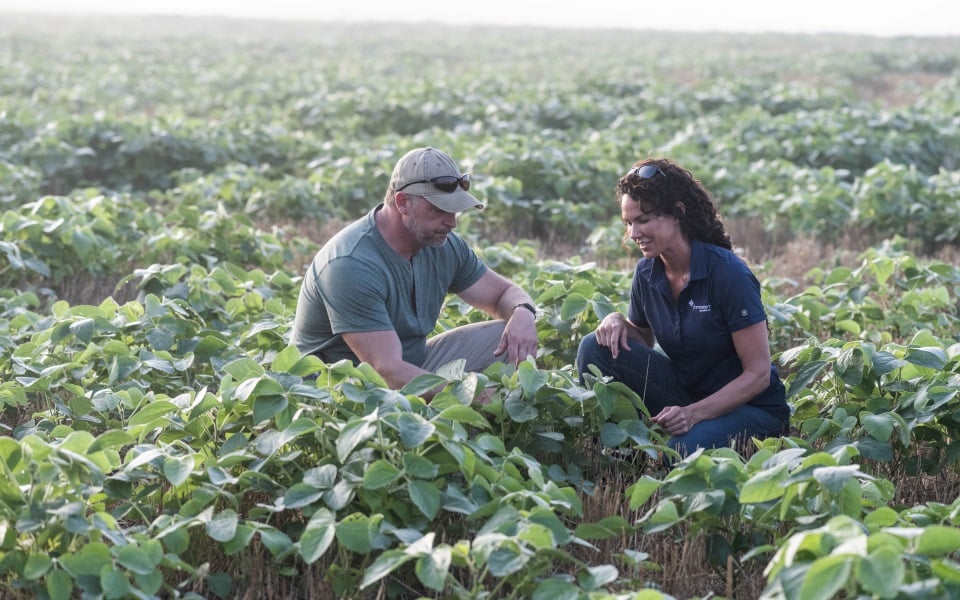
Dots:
pixel 356 239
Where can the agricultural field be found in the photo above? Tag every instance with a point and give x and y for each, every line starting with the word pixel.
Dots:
pixel 164 181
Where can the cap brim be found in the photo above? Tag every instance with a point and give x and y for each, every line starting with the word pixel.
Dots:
pixel 455 202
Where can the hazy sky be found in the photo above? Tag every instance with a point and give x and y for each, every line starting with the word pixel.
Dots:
pixel 884 17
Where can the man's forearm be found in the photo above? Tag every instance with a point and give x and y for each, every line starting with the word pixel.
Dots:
pixel 513 299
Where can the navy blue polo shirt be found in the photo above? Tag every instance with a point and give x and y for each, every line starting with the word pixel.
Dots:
pixel 722 296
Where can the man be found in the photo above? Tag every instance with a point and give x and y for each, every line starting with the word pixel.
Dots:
pixel 374 292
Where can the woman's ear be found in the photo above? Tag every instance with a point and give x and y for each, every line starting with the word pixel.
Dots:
pixel 681 208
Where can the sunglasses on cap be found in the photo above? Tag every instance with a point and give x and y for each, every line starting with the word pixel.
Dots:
pixel 444 183
pixel 645 172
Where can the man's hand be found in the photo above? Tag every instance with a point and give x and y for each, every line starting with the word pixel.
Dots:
pixel 519 339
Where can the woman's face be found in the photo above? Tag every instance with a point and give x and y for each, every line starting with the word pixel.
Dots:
pixel 652 233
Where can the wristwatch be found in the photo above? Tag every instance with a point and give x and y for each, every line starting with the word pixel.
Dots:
pixel 527 306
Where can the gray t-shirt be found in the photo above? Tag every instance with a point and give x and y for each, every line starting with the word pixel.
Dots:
pixel 357 282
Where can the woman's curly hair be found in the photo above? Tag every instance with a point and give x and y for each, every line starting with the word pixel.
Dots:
pixel 667 189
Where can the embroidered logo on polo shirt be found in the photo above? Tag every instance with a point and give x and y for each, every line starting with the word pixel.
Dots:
pixel 699 307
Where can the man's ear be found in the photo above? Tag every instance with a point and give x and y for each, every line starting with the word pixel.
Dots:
pixel 403 201
pixel 681 208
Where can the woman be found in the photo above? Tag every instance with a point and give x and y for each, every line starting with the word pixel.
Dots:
pixel 713 383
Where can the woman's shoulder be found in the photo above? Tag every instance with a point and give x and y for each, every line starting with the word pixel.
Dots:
pixel 725 264
pixel 719 254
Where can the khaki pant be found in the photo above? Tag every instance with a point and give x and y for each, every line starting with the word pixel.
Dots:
pixel 474 343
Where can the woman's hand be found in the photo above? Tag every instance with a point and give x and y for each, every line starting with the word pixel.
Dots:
pixel 613 333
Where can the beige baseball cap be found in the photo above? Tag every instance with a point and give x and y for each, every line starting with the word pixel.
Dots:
pixel 430 173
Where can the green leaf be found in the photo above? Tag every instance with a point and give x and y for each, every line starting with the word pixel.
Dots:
pixel 881 572
pixel 37 566
pixel 414 429
pixel 239 542
pixel 537 535
pixel 555 589
pixel 300 495
pixel 598 576
pixel 243 369
pixel 572 306
pixel 83 329
pixel 113 438
pixel 612 435
pixel 663 517
pixel 385 564
pixel 505 561
pixel 835 478
pixel 885 362
pixel 805 375
pixel 135 560
pixel 519 410
pixel 422 384
pixel 849 326
pixel 380 474
pixel 88 560
pixel 432 568
pixel 880 427
pixel 149 583
pixel 642 490
pixel 323 477
pixel 299 427
pixel 286 359
pixel 114 583
pixel 59 585
pixel 161 339
pixel 931 357
pixel 82 241
pixel 708 502
pixel 764 486
pixel 938 540
pixel 871 449
pixel 417 466
pixel 177 469
pixel 267 407
pixel 176 540
pixel 883 516
pixel 426 497
pixel 606 528
pixel 220 584
pixel 463 414
pixel 276 541
pixel 210 345
pixel 353 533
pixel 317 536
pixel 150 412
pixel 223 526
pixel 826 577
pixel 946 571
pixel 531 379
pixel 353 434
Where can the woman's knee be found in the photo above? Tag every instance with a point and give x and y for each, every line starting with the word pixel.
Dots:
pixel 588 352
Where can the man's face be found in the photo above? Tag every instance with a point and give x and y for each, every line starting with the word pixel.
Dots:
pixel 428 224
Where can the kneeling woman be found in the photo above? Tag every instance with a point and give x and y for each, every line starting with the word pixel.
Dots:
pixel 711 381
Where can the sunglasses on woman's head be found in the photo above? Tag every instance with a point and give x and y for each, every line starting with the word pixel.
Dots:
pixel 646 171
pixel 444 183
